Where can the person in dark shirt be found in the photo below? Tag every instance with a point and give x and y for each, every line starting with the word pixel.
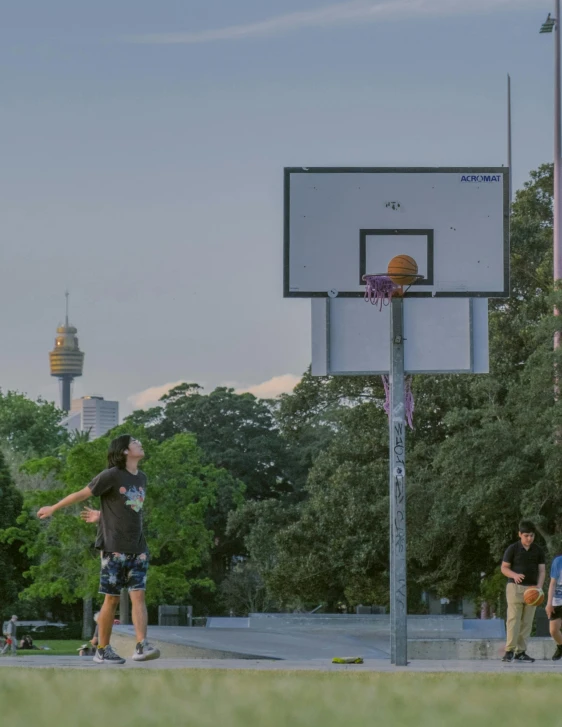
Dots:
pixel 26 642
pixel 120 539
pixel 524 565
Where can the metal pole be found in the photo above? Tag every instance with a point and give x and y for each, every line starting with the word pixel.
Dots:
pixel 509 135
pixel 557 218
pixel 392 557
pixel 397 424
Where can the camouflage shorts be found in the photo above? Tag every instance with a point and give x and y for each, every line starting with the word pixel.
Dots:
pixel 123 570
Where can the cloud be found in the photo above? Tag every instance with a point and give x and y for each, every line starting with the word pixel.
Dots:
pixel 356 11
pixel 150 397
pixel 267 390
pixel 274 387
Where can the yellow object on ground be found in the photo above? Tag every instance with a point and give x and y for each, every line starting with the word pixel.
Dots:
pixel 347 660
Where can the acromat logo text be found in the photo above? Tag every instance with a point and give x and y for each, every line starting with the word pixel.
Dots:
pixel 481 178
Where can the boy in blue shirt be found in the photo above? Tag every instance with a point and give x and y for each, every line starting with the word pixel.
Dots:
pixel 554 605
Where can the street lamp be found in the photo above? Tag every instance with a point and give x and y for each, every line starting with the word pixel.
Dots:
pixel 552 25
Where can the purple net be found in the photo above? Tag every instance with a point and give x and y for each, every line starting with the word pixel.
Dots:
pixel 379 289
pixel 408 398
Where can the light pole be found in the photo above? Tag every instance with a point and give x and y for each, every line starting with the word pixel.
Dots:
pixel 509 161
pixel 552 25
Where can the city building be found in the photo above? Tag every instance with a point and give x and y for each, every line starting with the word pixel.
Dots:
pixel 92 414
pixel 66 359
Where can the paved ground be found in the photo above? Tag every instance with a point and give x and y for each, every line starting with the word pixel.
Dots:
pixel 370 665
pixel 124 644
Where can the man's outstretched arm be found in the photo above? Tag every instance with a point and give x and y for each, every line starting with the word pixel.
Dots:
pixel 49 510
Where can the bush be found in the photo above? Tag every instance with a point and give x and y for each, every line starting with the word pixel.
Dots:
pixel 243 591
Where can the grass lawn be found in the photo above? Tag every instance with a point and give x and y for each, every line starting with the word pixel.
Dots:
pixel 56 648
pixel 63 698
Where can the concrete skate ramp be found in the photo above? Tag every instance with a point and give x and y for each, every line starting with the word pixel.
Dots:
pixel 315 636
pixel 282 644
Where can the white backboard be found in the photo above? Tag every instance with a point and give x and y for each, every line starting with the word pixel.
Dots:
pixel 341 223
pixel 352 337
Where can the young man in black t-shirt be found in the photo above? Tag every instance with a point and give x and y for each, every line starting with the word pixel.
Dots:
pixel 524 565
pixel 120 538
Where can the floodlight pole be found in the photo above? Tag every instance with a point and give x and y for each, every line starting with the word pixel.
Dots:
pixel 509 160
pixel 397 432
pixel 557 135
pixel 552 25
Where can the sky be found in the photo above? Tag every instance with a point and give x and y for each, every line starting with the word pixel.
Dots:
pixel 143 147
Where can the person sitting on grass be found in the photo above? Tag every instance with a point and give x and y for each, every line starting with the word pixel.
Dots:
pixel 90 648
pixel 86 650
pixel 27 642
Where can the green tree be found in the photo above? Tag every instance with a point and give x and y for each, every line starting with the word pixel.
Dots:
pixel 237 432
pixel 257 523
pixel 309 417
pixel 64 564
pixel 30 427
pixel 182 490
pixel 12 562
pixel 243 591
pixel 183 493
pixel 337 549
pixel 239 435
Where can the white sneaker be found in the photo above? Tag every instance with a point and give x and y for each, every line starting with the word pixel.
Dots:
pixel 145 651
pixel 107 656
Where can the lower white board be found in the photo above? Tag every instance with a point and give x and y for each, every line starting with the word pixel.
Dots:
pixel 442 335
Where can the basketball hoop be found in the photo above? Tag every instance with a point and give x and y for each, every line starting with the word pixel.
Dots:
pixel 402 273
pixel 380 287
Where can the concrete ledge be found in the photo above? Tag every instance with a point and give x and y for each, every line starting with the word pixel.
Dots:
pixel 475 628
pixel 221 622
pixel 468 649
pixel 374 623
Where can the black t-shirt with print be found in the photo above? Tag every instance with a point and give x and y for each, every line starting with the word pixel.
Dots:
pixel 524 561
pixel 122 497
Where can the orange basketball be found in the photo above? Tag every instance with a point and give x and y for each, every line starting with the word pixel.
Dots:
pixel 402 270
pixel 533 596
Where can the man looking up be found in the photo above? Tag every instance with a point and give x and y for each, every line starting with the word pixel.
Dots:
pixel 120 538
